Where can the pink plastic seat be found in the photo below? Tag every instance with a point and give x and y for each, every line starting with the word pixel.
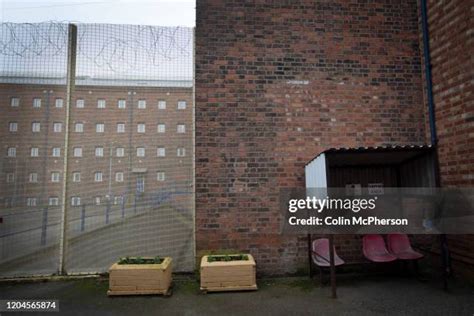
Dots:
pixel 374 249
pixel 399 245
pixel 321 253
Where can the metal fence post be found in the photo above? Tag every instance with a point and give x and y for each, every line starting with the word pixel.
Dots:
pixel 44 226
pixel 83 218
pixel 70 83
pixel 107 212
pixel 123 207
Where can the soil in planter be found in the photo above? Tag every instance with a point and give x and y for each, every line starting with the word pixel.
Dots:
pixel 218 258
pixel 140 260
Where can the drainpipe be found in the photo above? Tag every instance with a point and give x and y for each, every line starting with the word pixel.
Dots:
pixel 445 257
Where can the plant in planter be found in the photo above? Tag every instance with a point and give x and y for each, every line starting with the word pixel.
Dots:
pixel 137 275
pixel 234 272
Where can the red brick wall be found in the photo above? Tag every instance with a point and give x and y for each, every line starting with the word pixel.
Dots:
pixel 451 30
pixel 277 83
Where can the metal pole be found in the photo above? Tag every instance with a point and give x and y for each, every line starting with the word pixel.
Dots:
pixel 332 267
pixel 70 83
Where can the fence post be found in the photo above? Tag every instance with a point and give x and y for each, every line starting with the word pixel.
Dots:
pixel 83 218
pixel 70 83
pixel 44 226
pixel 107 211
pixel 123 207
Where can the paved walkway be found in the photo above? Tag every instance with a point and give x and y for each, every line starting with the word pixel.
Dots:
pixel 373 295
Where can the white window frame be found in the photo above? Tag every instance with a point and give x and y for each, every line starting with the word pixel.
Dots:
pixel 120 127
pixel 122 104
pixel 161 128
pixel 59 102
pixel 53 201
pixel 98 176
pixel 14 102
pixel 181 128
pixel 181 152
pixel 11 152
pixel 34 152
pixel 119 176
pixel 35 127
pixel 118 200
pixel 10 178
pixel 57 127
pixel 161 152
pixel 99 151
pixel 76 201
pixel 161 104
pixel 77 152
pixel 141 128
pixel 97 200
pixel 79 127
pixel 37 103
pixel 99 127
pixel 33 177
pixel 101 103
pixel 140 151
pixel 56 152
pixel 31 201
pixel 182 105
pixel 55 176
pixel 76 176
pixel 141 104
pixel 80 103
pixel 120 152
pixel 13 127
pixel 160 176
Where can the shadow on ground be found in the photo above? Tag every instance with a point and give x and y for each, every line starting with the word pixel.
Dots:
pixel 280 296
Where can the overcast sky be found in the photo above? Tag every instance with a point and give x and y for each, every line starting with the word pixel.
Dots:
pixel 144 12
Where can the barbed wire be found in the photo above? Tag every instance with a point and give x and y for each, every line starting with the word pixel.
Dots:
pixel 116 48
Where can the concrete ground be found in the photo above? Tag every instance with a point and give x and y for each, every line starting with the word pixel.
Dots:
pixel 358 295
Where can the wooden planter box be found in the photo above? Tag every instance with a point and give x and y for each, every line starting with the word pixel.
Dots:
pixel 140 279
pixel 235 275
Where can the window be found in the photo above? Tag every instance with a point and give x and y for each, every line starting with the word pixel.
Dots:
pixel 79 127
pixel 76 176
pixel 34 151
pixel 98 176
pixel 181 152
pixel 120 152
pixel 160 176
pixel 33 177
pixel 142 104
pixel 15 102
pixel 10 177
pixel 57 127
pixel 140 152
pixel 99 151
pixel 161 152
pixel 59 103
pixel 56 152
pixel 141 128
pixel 77 151
pixel 13 127
pixel 11 152
pixel 99 127
pixel 140 184
pixel 36 102
pixel 121 104
pixel 97 200
pixel 161 128
pixel 35 127
pixel 55 176
pixel 181 128
pixel 75 201
pixel 31 201
pixel 119 177
pixel 181 105
pixel 101 104
pixel 162 105
pixel 120 128
pixel 53 201
pixel 80 103
pixel 118 200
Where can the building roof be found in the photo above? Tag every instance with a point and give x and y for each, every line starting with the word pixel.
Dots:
pixel 388 154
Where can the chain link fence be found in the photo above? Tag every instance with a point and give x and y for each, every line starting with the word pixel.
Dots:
pixel 100 166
